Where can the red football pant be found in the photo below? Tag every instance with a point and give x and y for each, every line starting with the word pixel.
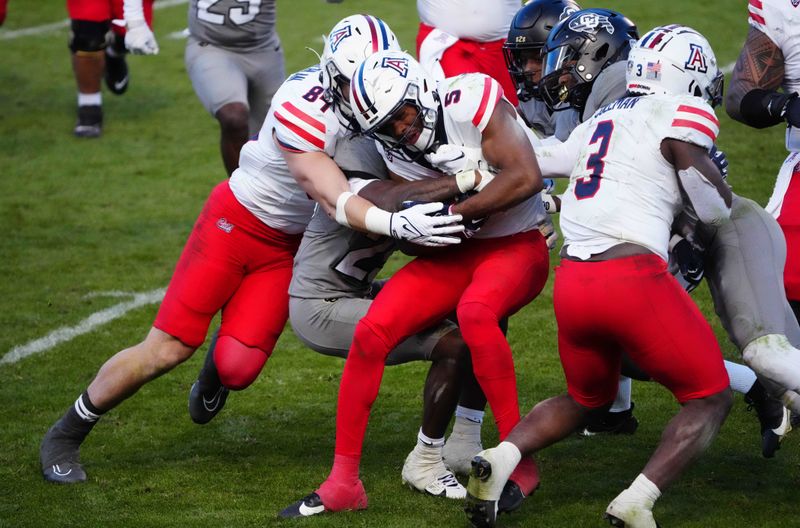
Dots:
pixel 235 263
pixel 105 10
pixel 632 305
pixel 470 56
pixel 484 281
pixel 789 221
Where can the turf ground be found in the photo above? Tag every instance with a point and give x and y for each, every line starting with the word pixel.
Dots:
pixel 91 222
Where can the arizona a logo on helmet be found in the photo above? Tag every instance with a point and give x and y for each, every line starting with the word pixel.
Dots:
pixel 399 64
pixel 697 59
pixel 338 36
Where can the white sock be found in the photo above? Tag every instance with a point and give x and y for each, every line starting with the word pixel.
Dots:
pixel 473 415
pixel 623 400
pixel 423 439
pixel 643 491
pixel 90 99
pixel 742 377
pixel 466 427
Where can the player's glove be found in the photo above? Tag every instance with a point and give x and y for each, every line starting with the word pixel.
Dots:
pixel 720 160
pixel 548 231
pixel 689 260
pixel 791 110
pixel 452 159
pixel 426 224
pixel 470 226
pixel 139 39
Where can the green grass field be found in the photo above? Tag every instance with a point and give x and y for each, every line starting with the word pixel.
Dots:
pixel 88 217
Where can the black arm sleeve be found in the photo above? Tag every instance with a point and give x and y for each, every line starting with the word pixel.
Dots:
pixel 764 108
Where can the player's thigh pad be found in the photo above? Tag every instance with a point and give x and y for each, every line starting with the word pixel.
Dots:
pixel 265 71
pixel 745 273
pixel 216 75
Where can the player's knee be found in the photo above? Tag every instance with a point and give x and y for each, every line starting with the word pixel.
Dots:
pixel 234 119
pixel 87 36
pixel 238 365
pixel 451 347
pixel 475 315
pixel 369 341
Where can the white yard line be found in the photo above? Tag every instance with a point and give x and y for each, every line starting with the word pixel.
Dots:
pixel 728 68
pixel 55 26
pixel 68 333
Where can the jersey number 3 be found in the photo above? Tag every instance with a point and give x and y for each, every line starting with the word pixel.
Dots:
pixel 588 186
pixel 237 15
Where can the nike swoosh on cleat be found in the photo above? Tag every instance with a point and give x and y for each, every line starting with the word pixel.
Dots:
pixel 212 404
pixel 307 511
pixel 57 471
pixel 120 84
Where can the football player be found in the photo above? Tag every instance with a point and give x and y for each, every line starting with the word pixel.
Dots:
pixel 465 36
pixel 598 78
pixel 769 61
pixel 241 250
pixel 235 61
pixel 98 48
pixel 616 219
pixel 501 268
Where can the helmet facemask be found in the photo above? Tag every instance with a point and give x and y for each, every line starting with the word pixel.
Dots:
pixel 518 60
pixel 423 127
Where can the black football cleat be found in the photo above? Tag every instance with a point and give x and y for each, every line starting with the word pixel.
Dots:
pixel 90 121
pixel 774 418
pixel 208 395
pixel 613 423
pixel 305 507
pixel 481 513
pixel 511 499
pixel 59 455
pixel 116 75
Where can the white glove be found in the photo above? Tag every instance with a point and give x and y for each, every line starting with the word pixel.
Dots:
pixel 452 159
pixel 139 39
pixel 422 225
pixel 548 231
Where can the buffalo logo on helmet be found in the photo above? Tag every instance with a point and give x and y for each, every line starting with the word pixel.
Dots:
pixel 569 10
pixel 589 22
pixel 697 59
pixel 338 36
pixel 399 64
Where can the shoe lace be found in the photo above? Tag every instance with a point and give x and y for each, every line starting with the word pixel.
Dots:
pixel 449 480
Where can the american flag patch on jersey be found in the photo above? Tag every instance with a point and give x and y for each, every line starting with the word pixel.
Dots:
pixel 653 71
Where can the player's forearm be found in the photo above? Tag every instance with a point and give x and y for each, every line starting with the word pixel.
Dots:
pixel 509 188
pixel 390 195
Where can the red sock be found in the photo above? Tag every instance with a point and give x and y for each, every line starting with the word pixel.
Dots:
pixel 343 490
pixel 526 475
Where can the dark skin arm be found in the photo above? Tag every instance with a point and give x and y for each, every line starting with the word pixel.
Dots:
pixel 760 65
pixel 683 155
pixel 506 147
pixel 390 194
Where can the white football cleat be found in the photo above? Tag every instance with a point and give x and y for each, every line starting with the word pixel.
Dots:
pixel 427 473
pixel 622 512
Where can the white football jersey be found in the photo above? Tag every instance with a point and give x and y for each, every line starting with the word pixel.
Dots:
pixel 468 103
pixel 621 188
pixel 302 122
pixel 479 20
pixel 780 21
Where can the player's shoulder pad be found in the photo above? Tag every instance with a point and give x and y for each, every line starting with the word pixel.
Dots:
pixel 471 97
pixel 304 122
pixel 693 120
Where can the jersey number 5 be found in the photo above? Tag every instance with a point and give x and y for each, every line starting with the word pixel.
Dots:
pixel 588 186
pixel 237 15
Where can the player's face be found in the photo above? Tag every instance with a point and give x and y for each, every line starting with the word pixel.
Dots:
pixel 404 127
pixel 344 88
pixel 531 62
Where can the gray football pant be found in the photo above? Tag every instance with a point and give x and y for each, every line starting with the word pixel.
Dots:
pixel 744 269
pixel 327 327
